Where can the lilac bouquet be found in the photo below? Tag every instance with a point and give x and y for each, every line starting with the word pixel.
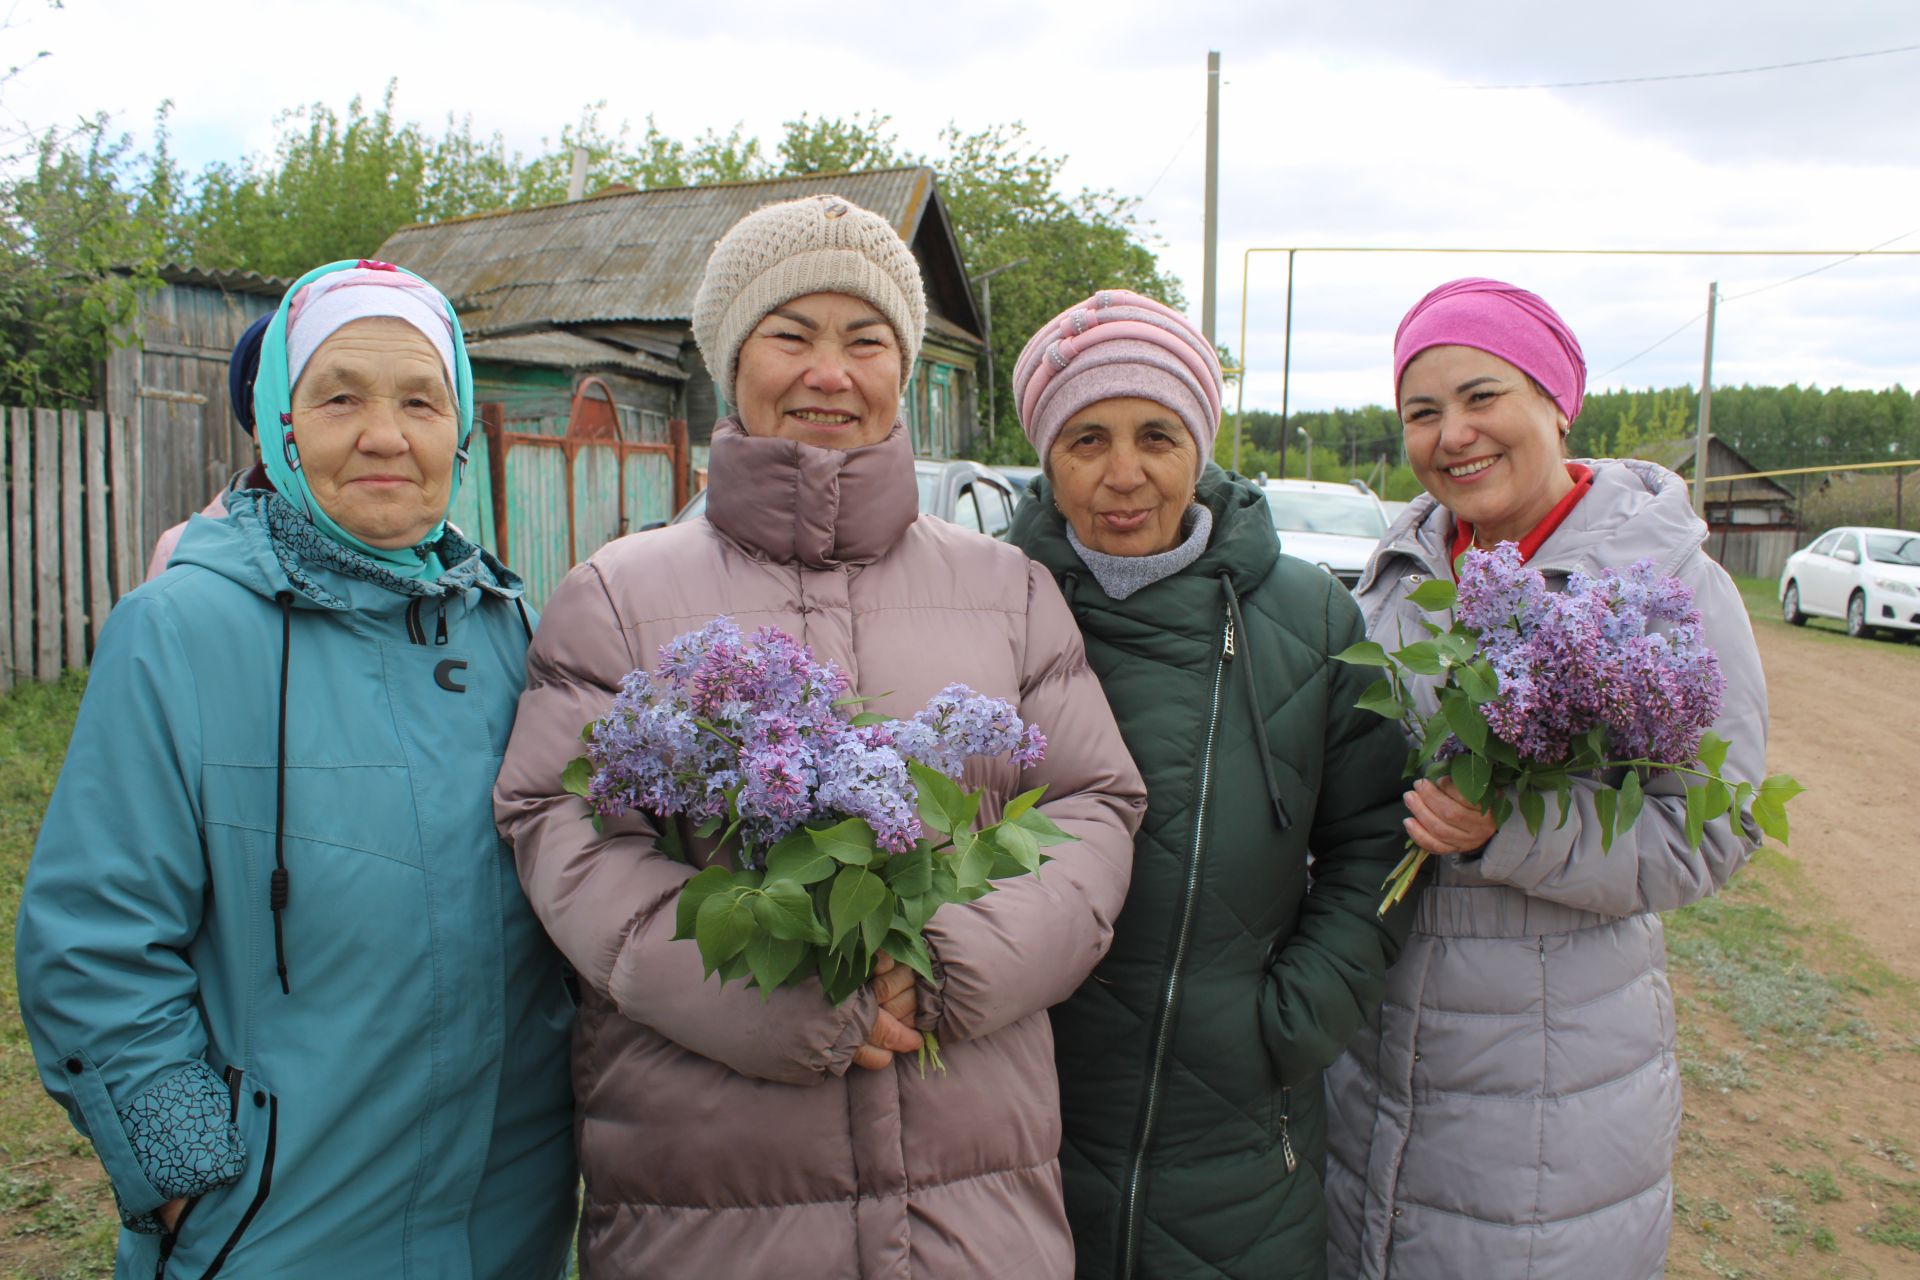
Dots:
pixel 820 811
pixel 1535 686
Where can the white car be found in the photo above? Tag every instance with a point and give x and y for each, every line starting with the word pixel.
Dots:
pixel 1335 526
pixel 1869 577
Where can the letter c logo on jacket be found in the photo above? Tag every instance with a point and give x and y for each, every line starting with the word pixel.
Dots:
pixel 443 675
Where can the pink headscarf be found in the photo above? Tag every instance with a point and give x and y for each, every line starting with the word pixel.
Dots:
pixel 1117 343
pixel 1501 320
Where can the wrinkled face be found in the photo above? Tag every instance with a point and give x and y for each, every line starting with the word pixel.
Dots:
pixel 1123 473
pixel 823 369
pixel 376 425
pixel 1483 439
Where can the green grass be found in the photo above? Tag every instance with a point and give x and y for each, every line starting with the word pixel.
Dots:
pixel 63 1225
pixel 1754 967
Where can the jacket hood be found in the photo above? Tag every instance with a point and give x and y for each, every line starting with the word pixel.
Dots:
pixel 1243 547
pixel 240 546
pixel 791 502
pixel 1636 510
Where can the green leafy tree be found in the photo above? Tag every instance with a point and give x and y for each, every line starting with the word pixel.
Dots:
pixel 82 228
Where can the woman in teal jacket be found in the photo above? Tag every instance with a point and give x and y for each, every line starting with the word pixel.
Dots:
pixel 272 955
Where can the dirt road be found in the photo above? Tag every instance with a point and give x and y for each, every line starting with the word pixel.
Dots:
pixel 1846 724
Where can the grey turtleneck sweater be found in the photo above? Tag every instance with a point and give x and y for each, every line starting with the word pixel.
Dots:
pixel 1121 576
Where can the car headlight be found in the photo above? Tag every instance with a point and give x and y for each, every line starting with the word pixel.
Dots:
pixel 1896 586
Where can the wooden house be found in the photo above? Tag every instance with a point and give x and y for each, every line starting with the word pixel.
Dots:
pixel 579 321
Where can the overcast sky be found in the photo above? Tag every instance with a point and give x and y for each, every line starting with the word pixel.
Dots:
pixel 1356 124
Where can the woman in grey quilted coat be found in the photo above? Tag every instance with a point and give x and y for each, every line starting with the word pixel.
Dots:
pixel 1512 1110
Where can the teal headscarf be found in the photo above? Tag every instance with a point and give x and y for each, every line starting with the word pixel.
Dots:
pixel 273 414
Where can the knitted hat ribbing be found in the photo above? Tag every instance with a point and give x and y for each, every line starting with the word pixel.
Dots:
pixel 819 244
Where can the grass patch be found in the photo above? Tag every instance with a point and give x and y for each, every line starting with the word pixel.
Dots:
pixel 1899 1226
pixel 1751 960
pixel 56 1211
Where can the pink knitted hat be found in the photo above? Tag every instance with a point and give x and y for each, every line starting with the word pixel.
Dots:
pixel 1501 320
pixel 1114 344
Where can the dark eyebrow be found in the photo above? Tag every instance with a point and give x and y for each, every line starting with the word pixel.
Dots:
pixel 866 323
pixel 794 316
pixel 1471 383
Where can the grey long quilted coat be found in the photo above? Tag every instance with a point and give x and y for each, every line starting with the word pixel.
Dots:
pixel 1512 1112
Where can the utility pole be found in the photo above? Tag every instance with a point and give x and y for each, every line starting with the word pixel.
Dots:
pixel 1706 411
pixel 985 281
pixel 1210 260
pixel 1286 375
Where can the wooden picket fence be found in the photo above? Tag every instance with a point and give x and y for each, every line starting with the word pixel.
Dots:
pixel 69 538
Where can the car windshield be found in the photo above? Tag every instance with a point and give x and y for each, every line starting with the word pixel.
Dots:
pixel 1301 511
pixel 1894 548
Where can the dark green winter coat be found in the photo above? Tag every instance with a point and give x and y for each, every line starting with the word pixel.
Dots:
pixel 1190 1063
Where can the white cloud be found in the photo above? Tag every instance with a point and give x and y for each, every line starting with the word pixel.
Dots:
pixel 1341 125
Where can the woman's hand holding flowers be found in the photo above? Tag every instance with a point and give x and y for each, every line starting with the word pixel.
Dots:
pixel 893 987
pixel 1442 821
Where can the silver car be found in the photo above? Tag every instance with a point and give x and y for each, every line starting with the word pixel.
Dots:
pixel 1335 526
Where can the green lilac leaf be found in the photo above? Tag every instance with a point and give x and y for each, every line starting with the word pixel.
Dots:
pixel 910 873
pixel 1379 699
pixel 772 960
pixel 576 775
pixel 799 859
pixel 1364 654
pixel 1632 797
pixel 856 892
pixel 1433 595
pixel 850 842
pixel 1606 803
pixel 722 927
pixel 1713 752
pixel 1466 722
pixel 1021 803
pixel 695 892
pixel 1422 658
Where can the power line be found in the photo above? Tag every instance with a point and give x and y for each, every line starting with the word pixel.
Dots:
pixel 1703 75
pixel 1177 153
pixel 1817 270
pixel 1725 298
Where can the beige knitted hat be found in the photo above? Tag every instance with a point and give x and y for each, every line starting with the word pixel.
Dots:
pixel 819 244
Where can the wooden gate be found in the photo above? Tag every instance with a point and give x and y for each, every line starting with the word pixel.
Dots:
pixel 561 498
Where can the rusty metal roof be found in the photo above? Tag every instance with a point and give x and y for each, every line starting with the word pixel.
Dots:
pixel 624 256
pixel 557 349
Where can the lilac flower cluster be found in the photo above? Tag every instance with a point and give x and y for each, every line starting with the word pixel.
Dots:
pixel 746 729
pixel 1623 651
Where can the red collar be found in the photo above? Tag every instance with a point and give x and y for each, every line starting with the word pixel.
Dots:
pixel 1582 478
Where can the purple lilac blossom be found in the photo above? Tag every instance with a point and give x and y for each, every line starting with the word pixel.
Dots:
pixel 746 728
pixel 1621 650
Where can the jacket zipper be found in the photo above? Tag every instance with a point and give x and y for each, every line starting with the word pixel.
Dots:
pixel 416 630
pixel 1163 1031
pixel 259 1195
pixel 1286 1120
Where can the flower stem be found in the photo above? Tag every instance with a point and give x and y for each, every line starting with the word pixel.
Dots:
pixel 930 1054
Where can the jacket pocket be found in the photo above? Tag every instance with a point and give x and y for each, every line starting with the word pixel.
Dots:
pixel 212 1227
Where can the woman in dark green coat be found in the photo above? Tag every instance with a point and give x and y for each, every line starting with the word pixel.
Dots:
pixel 1241 964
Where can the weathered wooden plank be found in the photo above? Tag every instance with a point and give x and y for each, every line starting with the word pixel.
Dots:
pixel 123 510
pixel 73 581
pixel 99 549
pixel 21 422
pixel 46 544
pixel 6 583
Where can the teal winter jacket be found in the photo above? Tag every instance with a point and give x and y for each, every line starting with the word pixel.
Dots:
pixel 357 1068
pixel 1249 950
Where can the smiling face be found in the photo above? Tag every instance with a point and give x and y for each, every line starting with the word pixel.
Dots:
pixel 823 369
pixel 1483 440
pixel 1123 472
pixel 376 426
